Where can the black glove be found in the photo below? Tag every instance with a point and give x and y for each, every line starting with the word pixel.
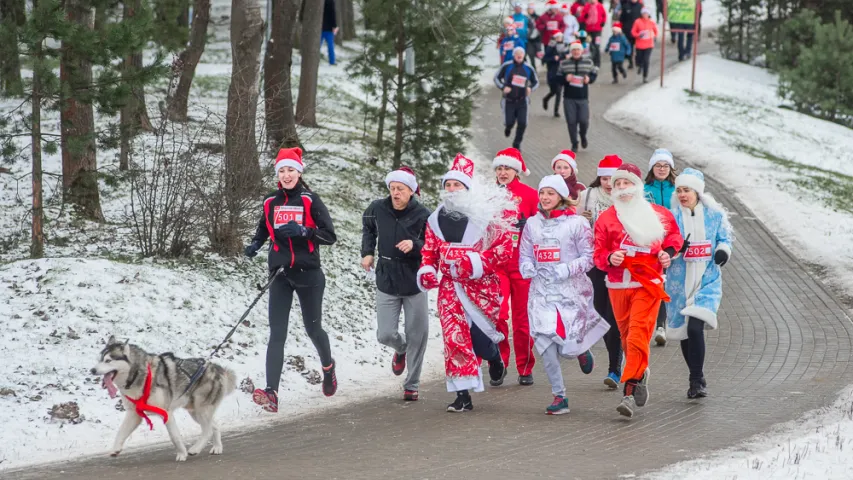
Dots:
pixel 252 249
pixel 721 257
pixel 521 223
pixel 293 229
pixel 686 244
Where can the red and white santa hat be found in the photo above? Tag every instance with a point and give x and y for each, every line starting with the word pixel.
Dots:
pixel 404 175
pixel 552 4
pixel 576 45
pixel 289 157
pixel 557 183
pixel 462 171
pixel 567 156
pixel 617 27
pixel 630 172
pixel 510 157
pixel 556 33
pixel 565 7
pixel 608 165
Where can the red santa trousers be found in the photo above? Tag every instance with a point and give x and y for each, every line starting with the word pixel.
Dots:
pixel 636 312
pixel 517 289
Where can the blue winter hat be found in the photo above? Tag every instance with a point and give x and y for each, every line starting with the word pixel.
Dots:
pixel 661 155
pixel 692 179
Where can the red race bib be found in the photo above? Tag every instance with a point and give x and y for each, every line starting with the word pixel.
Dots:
pixel 283 215
pixel 615 47
pixel 519 25
pixel 645 34
pixel 631 248
pixel 547 253
pixel 552 25
pixel 454 251
pixel 698 252
pixel 509 46
pixel 576 81
pixel 519 81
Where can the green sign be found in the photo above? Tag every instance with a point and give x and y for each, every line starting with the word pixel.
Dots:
pixel 681 11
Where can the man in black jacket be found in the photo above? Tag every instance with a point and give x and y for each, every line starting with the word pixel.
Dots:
pixel 330 28
pixel 517 80
pixel 397 224
pixel 578 72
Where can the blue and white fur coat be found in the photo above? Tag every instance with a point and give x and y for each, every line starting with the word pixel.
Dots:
pixel 696 288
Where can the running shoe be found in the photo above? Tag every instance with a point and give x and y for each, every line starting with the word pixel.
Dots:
pixel 586 361
pixel 398 363
pixel 627 406
pixel 660 336
pixel 410 395
pixel 559 406
pixel 497 373
pixel 525 380
pixel 612 380
pixel 267 399
pixel 461 404
pixel 330 380
pixel 641 391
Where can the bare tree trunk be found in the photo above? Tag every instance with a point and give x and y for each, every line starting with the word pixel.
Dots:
pixel 278 95
pixel 399 98
pixel 134 114
pixel 12 13
pixel 77 123
pixel 101 16
pixel 242 172
pixel 349 20
pixel 37 243
pixel 383 111
pixel 188 60
pixel 339 19
pixel 312 24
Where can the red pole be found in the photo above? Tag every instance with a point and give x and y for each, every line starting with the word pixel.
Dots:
pixel 663 41
pixel 695 42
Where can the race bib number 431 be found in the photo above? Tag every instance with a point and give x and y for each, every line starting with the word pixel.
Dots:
pixel 283 215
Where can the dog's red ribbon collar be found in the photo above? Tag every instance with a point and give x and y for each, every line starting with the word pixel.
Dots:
pixel 142 405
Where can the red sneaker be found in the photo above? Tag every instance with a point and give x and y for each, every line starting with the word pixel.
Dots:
pixel 330 380
pixel 267 399
pixel 398 363
pixel 410 395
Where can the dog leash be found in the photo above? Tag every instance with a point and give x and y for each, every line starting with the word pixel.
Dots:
pixel 200 371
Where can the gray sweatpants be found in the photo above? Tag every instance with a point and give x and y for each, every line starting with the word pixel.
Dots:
pixel 577 115
pixel 416 330
pixel 551 360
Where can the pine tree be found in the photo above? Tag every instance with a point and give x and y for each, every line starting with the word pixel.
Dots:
pixel 12 18
pixel 432 105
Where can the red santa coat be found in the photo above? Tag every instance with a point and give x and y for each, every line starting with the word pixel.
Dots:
pixel 610 236
pixel 549 22
pixel 461 302
pixel 527 199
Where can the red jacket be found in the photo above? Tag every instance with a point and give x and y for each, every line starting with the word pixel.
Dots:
pixel 527 199
pixel 593 17
pixel 544 24
pixel 609 237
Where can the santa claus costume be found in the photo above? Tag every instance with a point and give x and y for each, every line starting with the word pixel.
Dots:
pixel 515 288
pixel 694 280
pixel 556 252
pixel 634 241
pixel 467 240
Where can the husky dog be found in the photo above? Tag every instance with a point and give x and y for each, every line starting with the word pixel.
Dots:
pixel 125 368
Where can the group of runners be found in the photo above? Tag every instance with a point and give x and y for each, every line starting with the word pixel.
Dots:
pixel 573 265
pixel 568 41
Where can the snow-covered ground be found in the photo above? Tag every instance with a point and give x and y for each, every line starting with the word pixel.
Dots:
pixel 58 311
pixel 795 173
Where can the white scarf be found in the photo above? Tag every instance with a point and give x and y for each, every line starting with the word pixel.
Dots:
pixel 694 225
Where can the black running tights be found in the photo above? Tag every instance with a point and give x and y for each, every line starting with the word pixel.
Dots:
pixel 309 286
pixel 693 349
pixel 601 301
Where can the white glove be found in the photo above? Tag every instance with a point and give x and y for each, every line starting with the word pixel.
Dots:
pixel 562 271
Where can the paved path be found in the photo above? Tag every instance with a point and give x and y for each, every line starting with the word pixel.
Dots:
pixel 783 348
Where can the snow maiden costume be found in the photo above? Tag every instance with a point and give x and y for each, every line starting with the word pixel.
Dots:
pixel 467 240
pixel 694 281
pixel 556 252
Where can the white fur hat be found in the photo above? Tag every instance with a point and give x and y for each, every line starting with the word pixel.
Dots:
pixel 557 183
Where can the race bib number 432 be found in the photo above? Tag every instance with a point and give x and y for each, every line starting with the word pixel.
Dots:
pixel 547 253
pixel 282 215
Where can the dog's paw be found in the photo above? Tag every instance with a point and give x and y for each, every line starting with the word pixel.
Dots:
pixel 216 450
pixel 115 453
pixel 195 450
pixel 181 457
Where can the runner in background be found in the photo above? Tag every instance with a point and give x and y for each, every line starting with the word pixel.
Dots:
pixel 577 71
pixel 509 165
pixel 593 202
pixel 507 22
pixel 511 41
pixel 659 187
pixel 550 21
pixel 556 51
pixel 517 80
pixel 571 22
pixel 593 17
pixel 618 47
pixel 694 280
pixel 556 252
pixel 534 38
pixel 645 31
pixel 631 11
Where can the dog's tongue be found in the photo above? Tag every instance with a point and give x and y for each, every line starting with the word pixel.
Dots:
pixel 109 385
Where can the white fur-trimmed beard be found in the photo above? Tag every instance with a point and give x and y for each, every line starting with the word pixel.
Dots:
pixel 483 204
pixel 637 216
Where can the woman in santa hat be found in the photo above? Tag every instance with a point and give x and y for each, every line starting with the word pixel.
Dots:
pixel 296 222
pixel 565 165
pixel 594 201
pixel 556 252
pixel 694 280
pixel 467 240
